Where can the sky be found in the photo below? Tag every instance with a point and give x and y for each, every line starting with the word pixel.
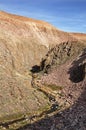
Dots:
pixel 66 15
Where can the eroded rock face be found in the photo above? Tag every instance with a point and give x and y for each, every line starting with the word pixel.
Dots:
pixel 60 54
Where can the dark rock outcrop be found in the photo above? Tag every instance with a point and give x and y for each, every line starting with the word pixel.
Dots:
pixel 60 54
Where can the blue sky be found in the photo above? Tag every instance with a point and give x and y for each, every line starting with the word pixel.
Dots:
pixel 67 15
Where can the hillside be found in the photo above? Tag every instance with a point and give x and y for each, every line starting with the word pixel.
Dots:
pixel 20 35
pixel 68 84
pixel 80 36
pixel 24 44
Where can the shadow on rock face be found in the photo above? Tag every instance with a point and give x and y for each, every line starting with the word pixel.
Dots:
pixel 35 69
pixel 78 70
pixel 78 74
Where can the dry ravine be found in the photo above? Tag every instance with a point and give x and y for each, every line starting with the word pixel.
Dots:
pixel 42 76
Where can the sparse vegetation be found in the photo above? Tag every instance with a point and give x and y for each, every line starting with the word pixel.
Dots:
pixel 54 87
pixel 24 43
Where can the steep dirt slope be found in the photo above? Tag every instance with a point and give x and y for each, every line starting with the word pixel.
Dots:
pixel 25 41
pixel 79 36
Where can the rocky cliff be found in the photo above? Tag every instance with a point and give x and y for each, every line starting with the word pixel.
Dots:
pixel 59 54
